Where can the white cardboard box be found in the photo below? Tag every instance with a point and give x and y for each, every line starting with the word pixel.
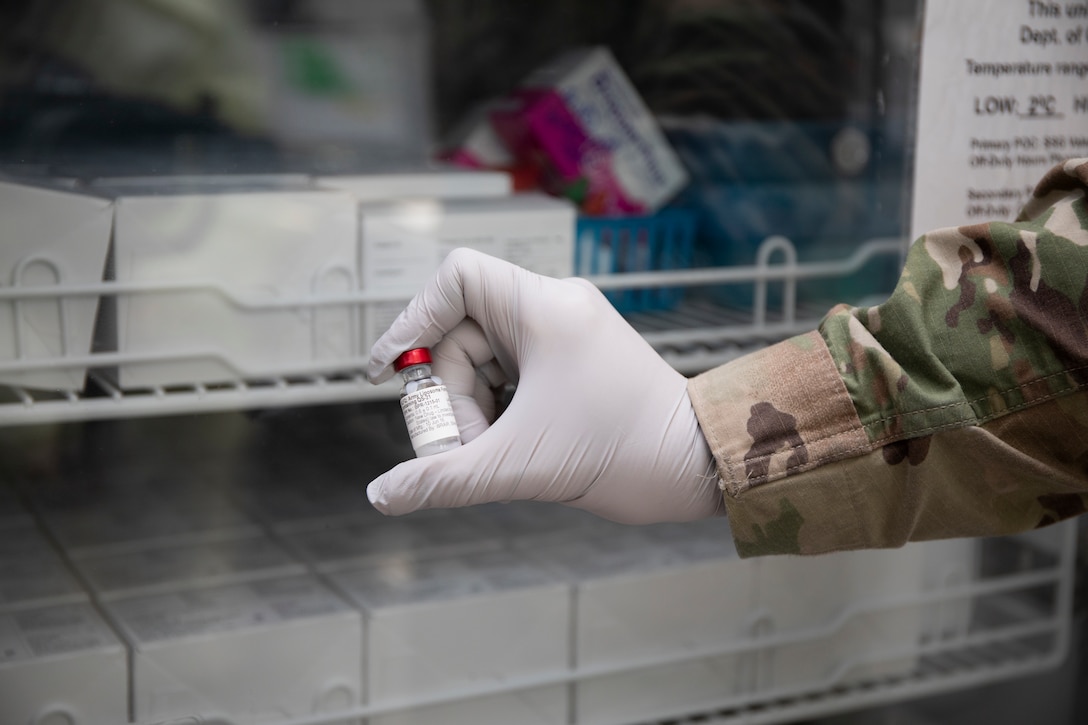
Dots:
pixel 289 504
pixel 259 652
pixel 200 183
pixel 525 523
pixel 426 182
pixel 404 242
pixel 950 564
pixel 439 626
pixel 169 567
pixel 844 632
pixel 338 541
pixel 61 664
pixel 126 523
pixel 54 238
pixel 32 573
pixel 644 595
pixel 231 254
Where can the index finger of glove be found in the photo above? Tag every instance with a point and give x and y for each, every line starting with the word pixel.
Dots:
pixel 467 284
pixel 460 360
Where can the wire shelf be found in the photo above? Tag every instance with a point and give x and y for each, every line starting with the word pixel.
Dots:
pixel 1007 636
pixel 693 335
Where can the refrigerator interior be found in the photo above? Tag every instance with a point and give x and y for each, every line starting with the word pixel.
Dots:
pixel 184 532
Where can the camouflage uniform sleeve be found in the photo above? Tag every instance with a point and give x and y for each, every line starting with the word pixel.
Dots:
pixel 958 407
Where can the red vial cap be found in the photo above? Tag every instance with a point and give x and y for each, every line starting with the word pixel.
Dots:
pixel 408 358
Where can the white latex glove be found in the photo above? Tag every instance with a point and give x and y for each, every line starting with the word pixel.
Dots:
pixel 598 420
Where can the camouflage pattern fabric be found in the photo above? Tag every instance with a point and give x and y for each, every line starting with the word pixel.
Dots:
pixel 958 407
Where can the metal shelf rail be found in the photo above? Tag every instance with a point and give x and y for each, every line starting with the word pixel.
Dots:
pixel 692 336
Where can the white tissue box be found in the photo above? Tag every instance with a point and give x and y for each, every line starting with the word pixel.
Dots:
pixel 219 259
pixel 404 242
pixel 56 239
pixel 441 626
pixel 61 664
pixel 275 649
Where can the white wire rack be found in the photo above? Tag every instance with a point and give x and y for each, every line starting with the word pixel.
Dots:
pixel 1020 624
pixel 692 336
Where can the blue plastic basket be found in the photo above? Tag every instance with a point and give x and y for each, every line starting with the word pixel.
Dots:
pixel 610 245
pixel 751 180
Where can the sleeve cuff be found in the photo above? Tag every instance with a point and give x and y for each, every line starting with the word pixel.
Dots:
pixel 767 417
pixel 776 412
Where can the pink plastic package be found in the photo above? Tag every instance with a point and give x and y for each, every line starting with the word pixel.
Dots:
pixel 581 123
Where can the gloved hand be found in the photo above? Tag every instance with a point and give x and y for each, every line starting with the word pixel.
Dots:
pixel 598 420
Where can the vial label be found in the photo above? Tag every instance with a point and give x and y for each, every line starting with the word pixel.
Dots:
pixel 429 415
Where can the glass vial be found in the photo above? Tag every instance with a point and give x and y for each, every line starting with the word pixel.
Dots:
pixel 426 405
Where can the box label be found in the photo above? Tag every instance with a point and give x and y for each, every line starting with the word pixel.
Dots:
pixel 52 630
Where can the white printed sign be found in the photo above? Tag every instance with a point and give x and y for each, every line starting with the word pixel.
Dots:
pixel 1003 96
